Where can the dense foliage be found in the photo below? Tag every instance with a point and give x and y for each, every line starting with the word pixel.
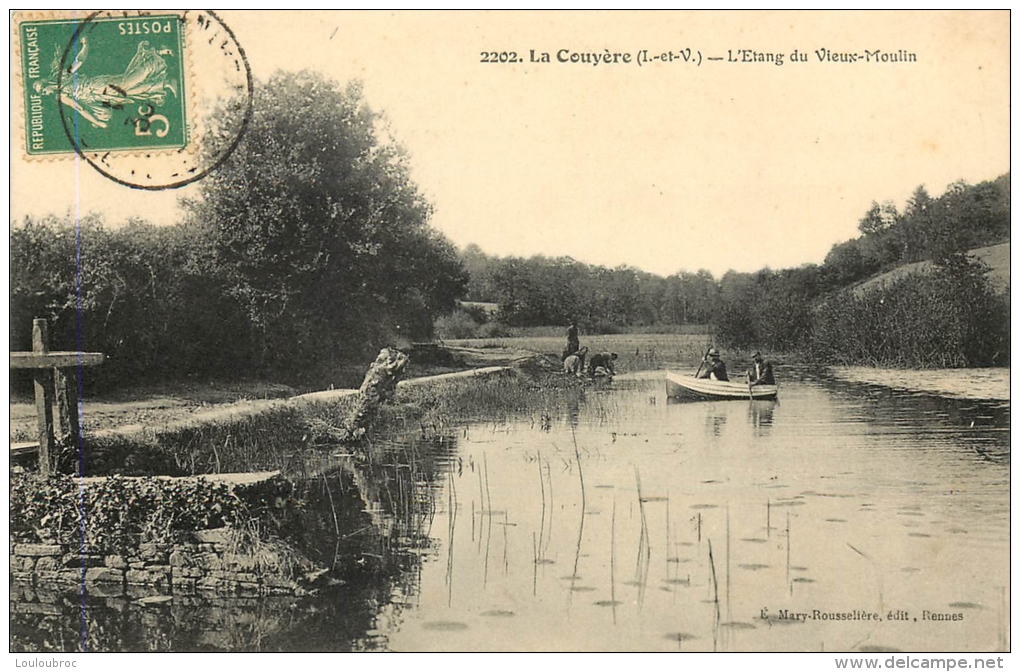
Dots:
pixel 945 319
pixel 543 291
pixel 148 298
pixel 112 514
pixel 963 218
pixel 788 309
pixel 309 248
pixel 320 235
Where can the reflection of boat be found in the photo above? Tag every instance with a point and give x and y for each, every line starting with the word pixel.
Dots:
pixel 688 387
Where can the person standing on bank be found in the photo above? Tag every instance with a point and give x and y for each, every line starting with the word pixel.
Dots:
pixel 573 342
pixel 761 372
pixel 713 367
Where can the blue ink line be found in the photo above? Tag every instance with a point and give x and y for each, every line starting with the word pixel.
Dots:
pixel 77 285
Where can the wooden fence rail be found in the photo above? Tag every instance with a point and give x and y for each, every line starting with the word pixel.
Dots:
pixel 55 376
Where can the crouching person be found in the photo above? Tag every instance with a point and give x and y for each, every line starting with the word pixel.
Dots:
pixel 574 363
pixel 602 366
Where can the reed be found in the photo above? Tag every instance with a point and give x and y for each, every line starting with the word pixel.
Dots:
pixel 580 527
pixel 948 317
pixel 452 514
pixel 789 541
pixel 510 395
pixel 336 522
pixel 506 543
pixel 668 544
pixel 644 553
pixel 271 439
pixel 534 562
pixel 612 561
pixel 481 509
pixel 552 510
pixel 541 480
pixel 487 511
pixel 715 581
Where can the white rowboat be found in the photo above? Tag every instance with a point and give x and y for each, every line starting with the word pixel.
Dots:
pixel 682 386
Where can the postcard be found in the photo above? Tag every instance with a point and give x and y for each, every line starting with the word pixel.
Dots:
pixel 511 331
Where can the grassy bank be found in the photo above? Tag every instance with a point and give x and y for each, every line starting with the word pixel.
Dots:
pixel 261 434
pixel 286 435
pixel 637 352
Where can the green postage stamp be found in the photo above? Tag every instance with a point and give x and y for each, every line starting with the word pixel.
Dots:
pixel 103 83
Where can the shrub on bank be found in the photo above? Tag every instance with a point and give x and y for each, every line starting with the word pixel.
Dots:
pixel 459 324
pixel 112 514
pixel 949 318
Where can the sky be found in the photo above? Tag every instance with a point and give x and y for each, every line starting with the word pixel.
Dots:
pixel 662 166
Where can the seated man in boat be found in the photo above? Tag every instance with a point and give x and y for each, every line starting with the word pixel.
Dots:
pixel 604 361
pixel 574 363
pixel 761 372
pixel 713 366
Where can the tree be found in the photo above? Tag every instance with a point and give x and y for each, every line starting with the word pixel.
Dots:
pixel 872 223
pixel 917 225
pixel 319 230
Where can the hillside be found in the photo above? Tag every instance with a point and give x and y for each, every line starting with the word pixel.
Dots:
pixel 996 256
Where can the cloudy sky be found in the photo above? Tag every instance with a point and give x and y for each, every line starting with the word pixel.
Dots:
pixel 662 166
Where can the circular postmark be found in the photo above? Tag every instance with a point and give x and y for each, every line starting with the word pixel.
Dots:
pixel 153 100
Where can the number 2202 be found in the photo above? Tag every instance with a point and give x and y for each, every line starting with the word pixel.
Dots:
pixel 499 57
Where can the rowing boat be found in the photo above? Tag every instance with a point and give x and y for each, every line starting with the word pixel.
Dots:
pixel 683 386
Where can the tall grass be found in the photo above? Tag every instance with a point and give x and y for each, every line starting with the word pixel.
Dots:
pixel 280 437
pixel 637 352
pixel 263 439
pixel 949 318
pixel 437 408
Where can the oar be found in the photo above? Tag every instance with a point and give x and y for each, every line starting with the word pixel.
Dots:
pixel 749 392
pixel 703 358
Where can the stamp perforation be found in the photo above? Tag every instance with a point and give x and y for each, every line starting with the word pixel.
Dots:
pixel 191 138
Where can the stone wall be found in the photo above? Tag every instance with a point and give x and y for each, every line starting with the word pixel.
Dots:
pixel 208 562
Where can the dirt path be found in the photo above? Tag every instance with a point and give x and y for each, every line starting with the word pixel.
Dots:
pixel 149 407
pixel 197 403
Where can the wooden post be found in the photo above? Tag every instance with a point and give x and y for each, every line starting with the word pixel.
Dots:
pixel 66 423
pixel 56 384
pixel 43 395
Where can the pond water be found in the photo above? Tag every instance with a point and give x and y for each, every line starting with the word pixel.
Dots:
pixel 626 522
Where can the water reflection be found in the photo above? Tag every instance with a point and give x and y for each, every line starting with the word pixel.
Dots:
pixel 761 416
pixel 627 523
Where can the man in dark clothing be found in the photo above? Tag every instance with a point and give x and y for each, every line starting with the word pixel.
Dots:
pixel 761 372
pixel 573 342
pixel 604 361
pixel 713 367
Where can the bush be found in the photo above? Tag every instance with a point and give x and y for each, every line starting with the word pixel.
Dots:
pixel 948 318
pixel 493 330
pixel 145 296
pixel 111 515
pixel 458 324
pixel 734 326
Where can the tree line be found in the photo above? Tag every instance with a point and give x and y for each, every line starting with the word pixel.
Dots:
pixel 963 218
pixel 308 248
pixel 311 248
pixel 814 308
